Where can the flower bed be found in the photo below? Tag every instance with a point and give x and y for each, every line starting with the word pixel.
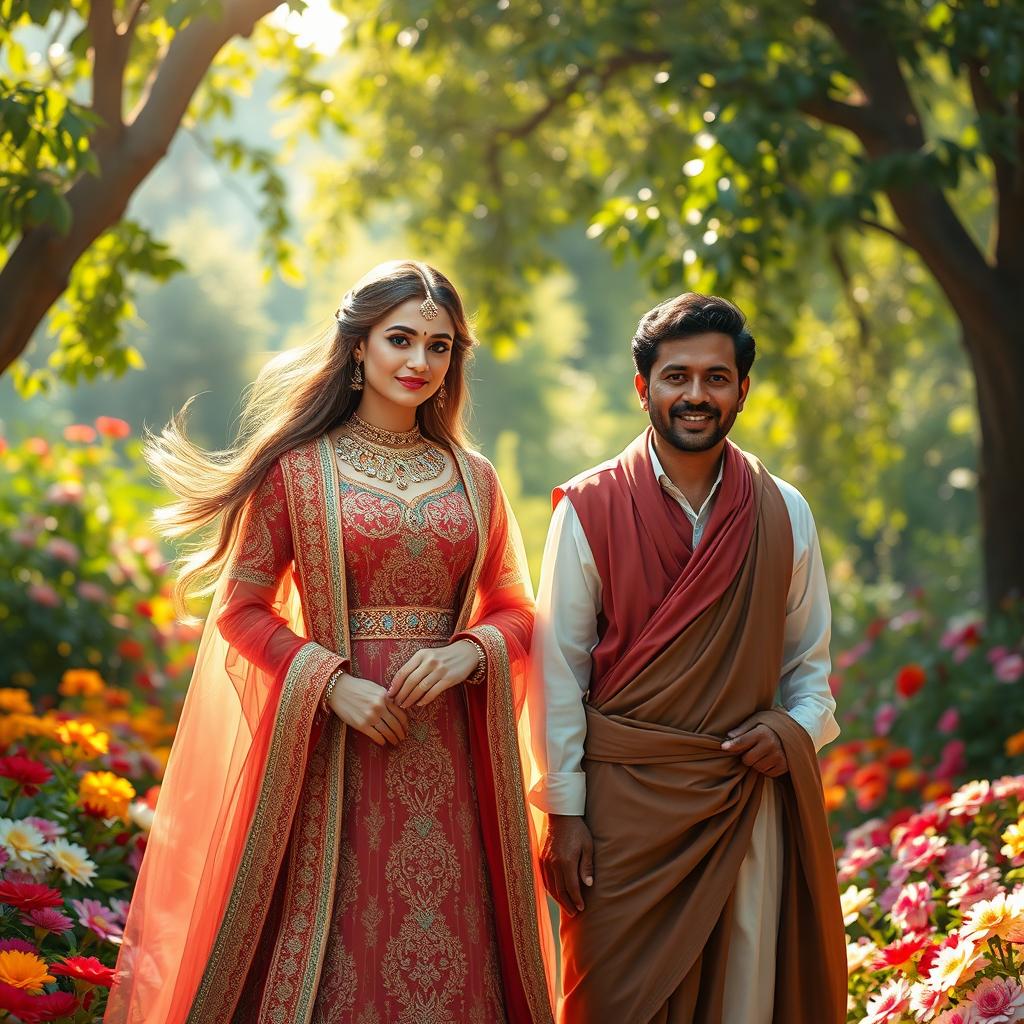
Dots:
pixel 934 909
pixel 78 785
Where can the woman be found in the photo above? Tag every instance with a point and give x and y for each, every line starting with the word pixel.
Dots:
pixel 342 834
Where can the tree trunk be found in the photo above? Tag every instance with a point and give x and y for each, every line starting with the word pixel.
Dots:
pixel 998 361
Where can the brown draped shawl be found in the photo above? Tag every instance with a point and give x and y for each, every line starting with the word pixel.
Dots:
pixel 691 646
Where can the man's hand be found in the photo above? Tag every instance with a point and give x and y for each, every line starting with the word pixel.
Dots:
pixel 759 747
pixel 567 859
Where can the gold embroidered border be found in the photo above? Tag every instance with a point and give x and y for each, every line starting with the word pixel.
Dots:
pixel 506 766
pixel 502 736
pixel 240 928
pixel 402 622
pixel 292 979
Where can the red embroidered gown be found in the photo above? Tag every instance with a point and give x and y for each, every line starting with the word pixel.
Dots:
pixel 412 935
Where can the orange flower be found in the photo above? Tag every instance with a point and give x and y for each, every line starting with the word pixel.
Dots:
pixel 79 432
pixel 908 780
pixel 871 783
pixel 936 791
pixel 106 794
pixel 85 736
pixel 909 680
pixel 81 682
pixel 835 797
pixel 14 700
pixel 1015 744
pixel 110 426
pixel 25 971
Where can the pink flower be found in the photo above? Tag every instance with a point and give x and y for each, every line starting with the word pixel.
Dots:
pixel 998 1001
pixel 50 829
pixel 888 1005
pixel 969 799
pixel 91 592
pixel 853 862
pixel 912 907
pixel 853 655
pixel 958 1015
pixel 953 761
pixel 917 852
pixel 948 721
pixel 1010 669
pixel 1007 786
pixel 48 919
pixel 885 717
pixel 957 960
pixel 63 550
pixel 93 915
pixel 925 1002
pixel 66 492
pixel 984 885
pixel 44 594
pixel 18 945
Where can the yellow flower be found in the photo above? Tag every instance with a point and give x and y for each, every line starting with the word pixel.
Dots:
pixel 85 736
pixel 81 682
pixel 72 860
pixel 1015 744
pixel 1014 839
pixel 14 700
pixel 23 970
pixel 106 793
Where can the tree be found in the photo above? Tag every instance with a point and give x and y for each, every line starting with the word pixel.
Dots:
pixel 735 147
pixel 68 168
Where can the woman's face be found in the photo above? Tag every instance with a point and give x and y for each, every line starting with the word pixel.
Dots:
pixel 405 357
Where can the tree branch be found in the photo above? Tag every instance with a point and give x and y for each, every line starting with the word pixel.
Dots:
pixel 39 267
pixel 886 230
pixel 108 65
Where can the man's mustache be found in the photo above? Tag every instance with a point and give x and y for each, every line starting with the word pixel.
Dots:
pixel 694 410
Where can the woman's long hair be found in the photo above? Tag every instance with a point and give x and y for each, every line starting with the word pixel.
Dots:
pixel 299 395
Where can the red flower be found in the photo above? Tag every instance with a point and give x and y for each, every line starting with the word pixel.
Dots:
pixel 110 426
pixel 29 774
pixel 899 758
pixel 29 896
pixel 37 1009
pixel 85 968
pixel 897 953
pixel 130 649
pixel 909 680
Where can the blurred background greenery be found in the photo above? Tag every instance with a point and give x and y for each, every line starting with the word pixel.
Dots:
pixel 569 166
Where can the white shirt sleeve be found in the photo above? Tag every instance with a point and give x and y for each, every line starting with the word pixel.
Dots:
pixel 564 636
pixel 803 687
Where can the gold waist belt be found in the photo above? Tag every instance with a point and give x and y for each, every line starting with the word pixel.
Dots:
pixel 401 623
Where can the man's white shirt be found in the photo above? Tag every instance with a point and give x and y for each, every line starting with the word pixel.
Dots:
pixel 565 635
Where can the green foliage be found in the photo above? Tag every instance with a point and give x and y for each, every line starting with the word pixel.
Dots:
pixel 83 585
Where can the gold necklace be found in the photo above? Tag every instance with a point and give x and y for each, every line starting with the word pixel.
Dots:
pixel 399 458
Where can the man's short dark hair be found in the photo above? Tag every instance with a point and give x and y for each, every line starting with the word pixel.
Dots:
pixel 685 316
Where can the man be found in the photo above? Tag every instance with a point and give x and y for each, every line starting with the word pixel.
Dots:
pixel 679 695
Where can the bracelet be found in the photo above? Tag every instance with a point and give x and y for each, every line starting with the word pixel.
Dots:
pixel 325 700
pixel 481 663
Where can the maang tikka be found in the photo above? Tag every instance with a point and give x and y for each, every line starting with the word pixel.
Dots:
pixel 428 309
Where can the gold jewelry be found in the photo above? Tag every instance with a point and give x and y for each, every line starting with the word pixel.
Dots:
pixel 325 701
pixel 481 663
pixel 441 397
pixel 357 378
pixel 388 456
pixel 428 309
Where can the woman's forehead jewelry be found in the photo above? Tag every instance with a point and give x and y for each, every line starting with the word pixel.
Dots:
pixel 428 309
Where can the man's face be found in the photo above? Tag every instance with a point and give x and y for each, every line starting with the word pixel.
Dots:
pixel 694 394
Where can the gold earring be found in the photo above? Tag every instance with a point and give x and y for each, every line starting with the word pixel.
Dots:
pixel 357 378
pixel 441 397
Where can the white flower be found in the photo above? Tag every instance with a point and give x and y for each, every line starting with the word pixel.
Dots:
pixel 72 860
pixel 859 953
pixel 141 814
pixel 24 843
pixel 853 901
